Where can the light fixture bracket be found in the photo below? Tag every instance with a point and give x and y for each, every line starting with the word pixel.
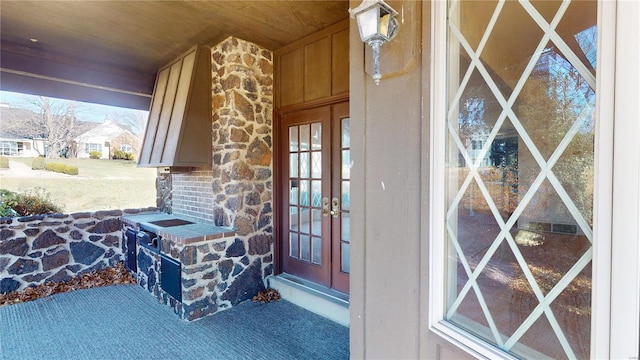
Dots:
pixel 377 25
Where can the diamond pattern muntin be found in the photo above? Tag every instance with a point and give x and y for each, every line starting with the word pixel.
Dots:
pixel 540 94
pixel 481 17
pixel 509 239
pixel 481 228
pixel 510 26
pixel 578 311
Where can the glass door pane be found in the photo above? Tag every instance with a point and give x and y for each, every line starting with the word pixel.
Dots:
pixel 305 186
pixel 520 165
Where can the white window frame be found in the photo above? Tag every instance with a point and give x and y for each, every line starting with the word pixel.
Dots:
pixel 612 334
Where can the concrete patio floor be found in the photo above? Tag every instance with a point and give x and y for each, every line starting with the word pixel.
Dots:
pixel 126 322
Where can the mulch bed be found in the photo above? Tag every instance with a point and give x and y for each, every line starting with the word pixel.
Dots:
pixel 110 276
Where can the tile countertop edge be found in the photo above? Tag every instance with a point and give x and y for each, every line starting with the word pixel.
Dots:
pixel 184 234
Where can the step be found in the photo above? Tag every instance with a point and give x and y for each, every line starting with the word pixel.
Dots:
pixel 315 298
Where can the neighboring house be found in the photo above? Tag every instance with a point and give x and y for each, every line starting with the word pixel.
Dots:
pixel 14 140
pixel 13 145
pixel 107 138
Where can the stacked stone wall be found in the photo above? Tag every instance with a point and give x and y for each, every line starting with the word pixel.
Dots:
pixel 242 146
pixel 55 248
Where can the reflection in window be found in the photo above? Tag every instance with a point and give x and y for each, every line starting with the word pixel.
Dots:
pixel 520 165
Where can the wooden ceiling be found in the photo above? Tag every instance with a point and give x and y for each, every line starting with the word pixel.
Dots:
pixel 109 51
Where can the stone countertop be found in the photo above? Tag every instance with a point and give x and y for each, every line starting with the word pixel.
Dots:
pixel 184 234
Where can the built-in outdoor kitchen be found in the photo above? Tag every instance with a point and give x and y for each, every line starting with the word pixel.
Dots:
pixel 210 245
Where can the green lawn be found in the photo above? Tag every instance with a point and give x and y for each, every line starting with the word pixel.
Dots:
pixel 100 185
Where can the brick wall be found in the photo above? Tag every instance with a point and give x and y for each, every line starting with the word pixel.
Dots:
pixel 192 194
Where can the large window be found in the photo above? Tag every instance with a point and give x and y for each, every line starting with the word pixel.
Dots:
pixel 8 148
pixel 89 147
pixel 519 174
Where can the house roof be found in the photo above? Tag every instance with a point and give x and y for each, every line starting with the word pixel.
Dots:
pixel 109 51
pixel 104 132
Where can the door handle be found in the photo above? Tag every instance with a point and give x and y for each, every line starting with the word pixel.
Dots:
pixel 335 207
pixel 325 206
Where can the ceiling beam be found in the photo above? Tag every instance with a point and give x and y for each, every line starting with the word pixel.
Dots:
pixel 38 74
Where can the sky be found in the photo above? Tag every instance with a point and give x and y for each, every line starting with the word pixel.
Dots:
pixel 84 111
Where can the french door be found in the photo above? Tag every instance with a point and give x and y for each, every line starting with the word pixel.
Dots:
pixel 315 201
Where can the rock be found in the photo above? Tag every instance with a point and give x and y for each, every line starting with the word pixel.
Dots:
pixel 258 153
pixel 225 267
pixel 239 136
pixel 31 231
pixel 253 198
pixel 260 244
pixel 17 247
pixel 219 246
pixel 95 238
pixel 211 257
pixel 241 171
pixel 268 270
pixel 236 249
pixel 244 106
pixel 85 252
pixel 75 235
pixel 47 239
pixel 244 225
pixel 246 285
pixel 263 174
pixel 237 269
pixel 8 285
pixel 60 276
pixel 55 261
pixel 106 226
pixel 6 234
pixel 23 266
pixel 3 263
pixel 189 255
pixel 111 240
pixel 36 278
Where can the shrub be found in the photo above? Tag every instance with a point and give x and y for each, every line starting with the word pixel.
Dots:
pixel 38 163
pixel 122 155
pixel 35 202
pixel 5 207
pixel 4 162
pixel 95 155
pixel 62 168
pixel 118 154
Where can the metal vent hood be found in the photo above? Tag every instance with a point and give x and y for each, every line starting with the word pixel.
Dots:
pixel 179 126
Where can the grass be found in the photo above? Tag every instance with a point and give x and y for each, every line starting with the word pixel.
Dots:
pixel 100 185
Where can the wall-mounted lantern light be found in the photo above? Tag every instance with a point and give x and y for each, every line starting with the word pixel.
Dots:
pixel 377 25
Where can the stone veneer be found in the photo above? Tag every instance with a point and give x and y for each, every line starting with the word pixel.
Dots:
pixel 57 247
pixel 241 179
pixel 216 274
pixel 242 142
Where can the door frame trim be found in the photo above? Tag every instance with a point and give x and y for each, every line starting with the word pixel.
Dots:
pixel 277 169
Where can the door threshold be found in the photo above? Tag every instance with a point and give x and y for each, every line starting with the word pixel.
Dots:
pixel 313 297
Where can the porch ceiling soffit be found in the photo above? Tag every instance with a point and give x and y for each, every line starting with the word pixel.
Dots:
pixel 109 51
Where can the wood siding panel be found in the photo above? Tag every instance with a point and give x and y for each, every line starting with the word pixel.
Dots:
pixel 313 69
pixel 340 62
pixel 292 77
pixel 317 70
pixel 154 116
pixel 165 113
pixel 175 125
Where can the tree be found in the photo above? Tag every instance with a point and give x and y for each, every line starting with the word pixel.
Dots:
pixel 134 120
pixel 53 120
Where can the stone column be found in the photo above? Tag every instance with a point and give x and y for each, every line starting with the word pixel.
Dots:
pixel 242 146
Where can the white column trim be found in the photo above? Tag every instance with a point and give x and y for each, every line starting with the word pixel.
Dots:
pixel 625 247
